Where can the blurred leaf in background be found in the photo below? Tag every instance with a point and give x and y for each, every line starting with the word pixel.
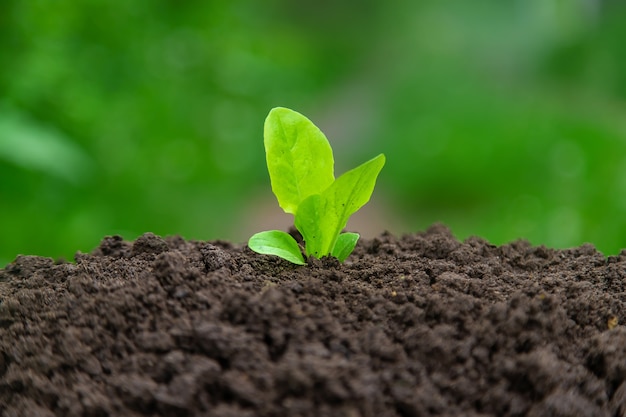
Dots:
pixel 500 119
pixel 32 147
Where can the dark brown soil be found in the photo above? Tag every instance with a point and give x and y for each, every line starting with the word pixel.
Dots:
pixel 421 325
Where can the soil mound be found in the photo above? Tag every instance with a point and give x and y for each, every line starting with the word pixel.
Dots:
pixel 419 325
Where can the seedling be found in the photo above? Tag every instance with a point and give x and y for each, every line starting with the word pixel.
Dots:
pixel 300 163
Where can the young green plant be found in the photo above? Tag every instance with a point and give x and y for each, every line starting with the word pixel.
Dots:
pixel 301 167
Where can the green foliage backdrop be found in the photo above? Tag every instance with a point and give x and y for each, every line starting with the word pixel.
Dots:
pixel 504 119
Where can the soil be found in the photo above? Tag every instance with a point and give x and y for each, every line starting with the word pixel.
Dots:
pixel 419 325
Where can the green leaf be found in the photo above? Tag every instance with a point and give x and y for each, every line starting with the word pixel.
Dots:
pixel 32 145
pixel 321 218
pixel 299 157
pixel 345 245
pixel 308 222
pixel 276 242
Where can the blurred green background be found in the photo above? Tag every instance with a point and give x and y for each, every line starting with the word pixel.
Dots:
pixel 503 119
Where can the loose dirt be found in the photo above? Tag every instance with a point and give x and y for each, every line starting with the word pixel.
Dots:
pixel 419 325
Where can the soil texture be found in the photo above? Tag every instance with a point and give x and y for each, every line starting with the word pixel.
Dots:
pixel 418 325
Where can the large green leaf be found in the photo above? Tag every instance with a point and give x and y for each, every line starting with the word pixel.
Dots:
pixel 299 157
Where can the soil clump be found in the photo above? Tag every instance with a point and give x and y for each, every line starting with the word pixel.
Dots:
pixel 418 325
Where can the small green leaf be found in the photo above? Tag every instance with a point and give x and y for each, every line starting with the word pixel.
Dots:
pixel 345 245
pixel 353 189
pixel 309 223
pixel 278 243
pixel 321 218
pixel 299 157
